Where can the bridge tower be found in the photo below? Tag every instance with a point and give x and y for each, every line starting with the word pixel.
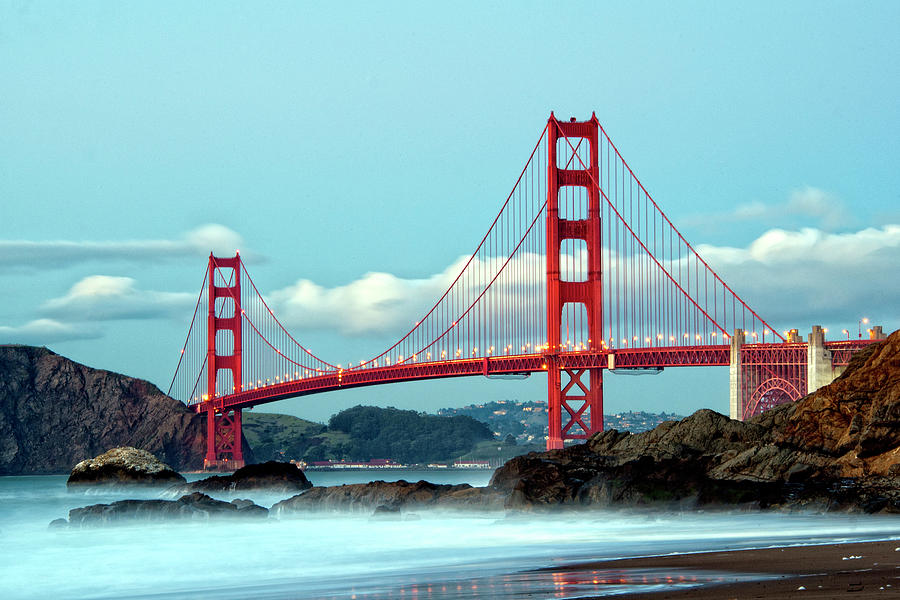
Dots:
pixel 578 392
pixel 223 426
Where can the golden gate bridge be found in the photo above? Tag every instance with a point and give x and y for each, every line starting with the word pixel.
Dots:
pixel 579 272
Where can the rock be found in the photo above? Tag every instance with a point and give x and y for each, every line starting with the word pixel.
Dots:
pixel 55 412
pixel 386 513
pixel 194 506
pixel 399 495
pixel 271 476
pixel 58 524
pixel 123 466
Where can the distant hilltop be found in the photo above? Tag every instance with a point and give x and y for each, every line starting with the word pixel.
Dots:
pixel 527 421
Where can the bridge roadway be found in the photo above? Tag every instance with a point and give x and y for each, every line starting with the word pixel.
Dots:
pixel 649 358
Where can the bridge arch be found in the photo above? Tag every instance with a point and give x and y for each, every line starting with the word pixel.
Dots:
pixel 769 394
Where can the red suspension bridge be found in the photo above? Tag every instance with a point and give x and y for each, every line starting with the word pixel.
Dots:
pixel 580 272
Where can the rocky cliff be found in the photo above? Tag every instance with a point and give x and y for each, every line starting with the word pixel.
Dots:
pixel 55 413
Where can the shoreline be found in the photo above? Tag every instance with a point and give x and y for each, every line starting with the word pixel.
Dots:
pixel 866 569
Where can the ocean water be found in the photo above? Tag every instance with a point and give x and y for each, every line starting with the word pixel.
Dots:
pixel 433 555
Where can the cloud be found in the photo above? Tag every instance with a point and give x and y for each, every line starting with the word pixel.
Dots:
pixel 104 298
pixel 813 202
pixel 807 203
pixel 377 303
pixel 46 331
pixel 63 253
pixel 808 276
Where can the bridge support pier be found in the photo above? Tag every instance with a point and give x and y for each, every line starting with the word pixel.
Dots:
pixel 736 377
pixel 819 371
pixel 224 441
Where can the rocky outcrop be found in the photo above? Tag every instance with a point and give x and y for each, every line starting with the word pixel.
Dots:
pixel 194 506
pixel 270 476
pixel 391 496
pixel 123 466
pixel 837 448
pixel 55 412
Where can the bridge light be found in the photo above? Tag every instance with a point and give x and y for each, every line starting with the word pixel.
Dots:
pixel 671 338
pixel 428 356
pixel 647 340
pixel 697 336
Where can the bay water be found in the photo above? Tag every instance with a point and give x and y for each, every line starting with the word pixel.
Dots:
pixel 429 554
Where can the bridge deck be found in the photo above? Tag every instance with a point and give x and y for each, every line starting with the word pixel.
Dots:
pixel 677 356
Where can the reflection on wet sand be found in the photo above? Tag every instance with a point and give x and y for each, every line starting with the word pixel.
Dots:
pixel 554 584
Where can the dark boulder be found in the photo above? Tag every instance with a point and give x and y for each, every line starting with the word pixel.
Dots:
pixel 270 476
pixel 194 506
pixel 399 495
pixel 122 466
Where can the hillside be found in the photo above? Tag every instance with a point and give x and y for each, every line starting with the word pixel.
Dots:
pixel 527 421
pixel 55 412
pixel 280 437
pixel 364 433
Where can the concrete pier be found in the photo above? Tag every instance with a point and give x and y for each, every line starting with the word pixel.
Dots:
pixel 819 371
pixel 735 403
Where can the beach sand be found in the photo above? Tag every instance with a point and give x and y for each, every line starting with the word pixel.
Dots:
pixel 857 570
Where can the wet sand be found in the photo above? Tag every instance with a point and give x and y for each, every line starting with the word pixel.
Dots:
pixel 858 570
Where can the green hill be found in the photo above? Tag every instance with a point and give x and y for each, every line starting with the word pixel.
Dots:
pixel 363 433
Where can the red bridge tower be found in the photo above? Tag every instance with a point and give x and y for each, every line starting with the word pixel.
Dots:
pixel 223 426
pixel 581 399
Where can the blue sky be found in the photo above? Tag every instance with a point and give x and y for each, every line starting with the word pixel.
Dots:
pixel 332 141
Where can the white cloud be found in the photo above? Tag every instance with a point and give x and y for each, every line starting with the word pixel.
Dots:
pixel 816 203
pixel 63 253
pixel 104 298
pixel 46 331
pixel 810 276
pixel 377 303
pixel 824 208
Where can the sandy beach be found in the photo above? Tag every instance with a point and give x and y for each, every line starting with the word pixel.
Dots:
pixel 862 570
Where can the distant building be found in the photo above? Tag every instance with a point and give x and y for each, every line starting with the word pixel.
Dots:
pixel 471 464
